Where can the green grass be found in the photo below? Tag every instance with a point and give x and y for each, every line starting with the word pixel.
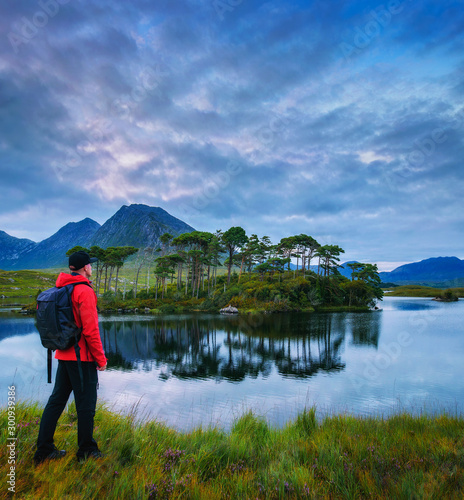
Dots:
pixel 420 291
pixel 343 309
pixel 25 284
pixel 401 457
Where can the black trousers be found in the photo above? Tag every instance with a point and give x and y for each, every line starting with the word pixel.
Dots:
pixel 67 380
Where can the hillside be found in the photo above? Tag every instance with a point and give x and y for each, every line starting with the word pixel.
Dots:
pixel 24 285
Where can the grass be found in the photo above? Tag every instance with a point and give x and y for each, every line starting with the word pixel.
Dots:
pixel 401 457
pixel 342 309
pixel 420 291
pixel 25 284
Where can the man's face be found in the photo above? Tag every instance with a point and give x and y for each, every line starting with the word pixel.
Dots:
pixel 88 270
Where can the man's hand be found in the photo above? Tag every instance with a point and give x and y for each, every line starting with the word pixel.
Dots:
pixel 102 368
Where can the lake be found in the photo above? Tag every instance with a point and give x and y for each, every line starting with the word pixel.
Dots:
pixel 204 369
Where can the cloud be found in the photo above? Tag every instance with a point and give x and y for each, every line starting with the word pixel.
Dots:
pixel 342 120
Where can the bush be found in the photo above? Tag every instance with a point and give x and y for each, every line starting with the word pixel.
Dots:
pixel 108 297
pixel 264 292
pixel 449 295
pixel 169 309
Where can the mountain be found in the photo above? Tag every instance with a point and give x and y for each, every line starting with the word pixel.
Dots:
pixel 12 248
pixel 139 226
pixel 135 225
pixel 51 252
pixel 428 271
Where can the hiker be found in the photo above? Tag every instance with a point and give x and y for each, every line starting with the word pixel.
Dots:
pixel 68 377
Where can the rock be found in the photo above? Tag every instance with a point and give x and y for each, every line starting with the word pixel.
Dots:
pixel 229 310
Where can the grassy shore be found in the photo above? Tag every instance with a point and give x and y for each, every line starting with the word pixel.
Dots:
pixel 421 291
pixel 338 457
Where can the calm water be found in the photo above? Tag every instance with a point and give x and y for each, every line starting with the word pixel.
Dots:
pixel 209 369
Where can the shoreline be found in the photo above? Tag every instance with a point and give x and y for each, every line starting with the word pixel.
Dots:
pixel 25 310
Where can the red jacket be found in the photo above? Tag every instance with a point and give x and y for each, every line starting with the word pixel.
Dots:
pixel 84 302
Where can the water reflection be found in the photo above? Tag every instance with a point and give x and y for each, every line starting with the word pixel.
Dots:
pixel 366 329
pixel 11 326
pixel 208 369
pixel 408 304
pixel 233 348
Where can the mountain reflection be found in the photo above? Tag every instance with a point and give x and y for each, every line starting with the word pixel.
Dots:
pixel 233 348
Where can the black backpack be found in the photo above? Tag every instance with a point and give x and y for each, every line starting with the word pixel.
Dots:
pixel 56 325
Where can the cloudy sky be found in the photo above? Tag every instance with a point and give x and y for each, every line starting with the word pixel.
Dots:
pixel 343 120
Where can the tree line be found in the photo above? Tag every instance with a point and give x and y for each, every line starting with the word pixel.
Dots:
pixel 191 260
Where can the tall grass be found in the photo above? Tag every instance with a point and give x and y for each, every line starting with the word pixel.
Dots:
pixel 337 457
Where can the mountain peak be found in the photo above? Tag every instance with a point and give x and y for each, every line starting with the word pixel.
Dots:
pixel 138 207
pixel 139 226
pixel 84 225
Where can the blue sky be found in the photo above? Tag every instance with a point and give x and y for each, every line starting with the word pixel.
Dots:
pixel 343 120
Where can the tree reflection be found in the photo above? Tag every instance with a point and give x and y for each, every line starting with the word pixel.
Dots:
pixel 366 329
pixel 233 348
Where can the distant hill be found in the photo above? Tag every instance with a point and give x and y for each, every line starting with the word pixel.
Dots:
pixel 429 271
pixel 438 271
pixel 135 225
pixel 441 272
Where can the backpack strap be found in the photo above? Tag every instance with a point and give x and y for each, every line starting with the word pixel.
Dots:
pixel 49 366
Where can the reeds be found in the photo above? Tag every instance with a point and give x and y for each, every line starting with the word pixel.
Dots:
pixel 337 457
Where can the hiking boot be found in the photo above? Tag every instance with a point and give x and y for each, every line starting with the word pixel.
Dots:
pixel 92 454
pixel 56 453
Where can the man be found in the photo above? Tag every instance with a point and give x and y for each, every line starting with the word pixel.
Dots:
pixel 84 303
